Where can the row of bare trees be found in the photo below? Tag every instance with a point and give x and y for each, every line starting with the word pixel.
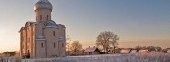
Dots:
pixel 104 40
pixel 151 48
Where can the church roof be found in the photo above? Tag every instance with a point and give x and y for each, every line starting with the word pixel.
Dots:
pixel 90 49
pixel 21 29
pixel 50 24
pixel 40 38
pixel 27 24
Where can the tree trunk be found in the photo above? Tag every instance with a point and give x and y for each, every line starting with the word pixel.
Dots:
pixel 106 50
pixel 114 49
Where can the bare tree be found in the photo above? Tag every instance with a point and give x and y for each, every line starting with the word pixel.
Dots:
pixel 76 47
pixel 107 39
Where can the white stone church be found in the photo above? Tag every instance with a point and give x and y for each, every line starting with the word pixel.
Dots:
pixel 43 38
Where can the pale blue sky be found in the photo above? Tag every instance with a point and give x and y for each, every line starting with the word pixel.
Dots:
pixel 131 20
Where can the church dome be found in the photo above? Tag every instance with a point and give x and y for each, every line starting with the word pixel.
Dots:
pixel 43 4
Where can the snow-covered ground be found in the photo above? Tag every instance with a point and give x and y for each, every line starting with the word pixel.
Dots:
pixel 138 57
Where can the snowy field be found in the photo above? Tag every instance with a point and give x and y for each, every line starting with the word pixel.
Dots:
pixel 138 57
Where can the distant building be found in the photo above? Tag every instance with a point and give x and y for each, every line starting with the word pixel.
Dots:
pixel 8 54
pixel 125 51
pixel 143 51
pixel 133 51
pixel 91 51
pixel 43 38
pixel 168 51
pixel 111 50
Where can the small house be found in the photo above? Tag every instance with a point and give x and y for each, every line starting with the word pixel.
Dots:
pixel 91 51
pixel 168 51
pixel 125 51
pixel 133 51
